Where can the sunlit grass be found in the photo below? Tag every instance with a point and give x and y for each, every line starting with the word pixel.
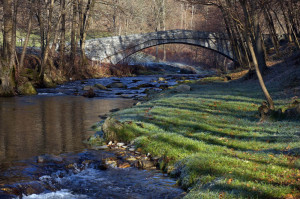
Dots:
pixel 210 138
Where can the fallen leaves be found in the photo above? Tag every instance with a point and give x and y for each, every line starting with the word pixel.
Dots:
pixel 229 181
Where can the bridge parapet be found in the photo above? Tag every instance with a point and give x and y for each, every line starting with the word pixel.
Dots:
pixel 114 49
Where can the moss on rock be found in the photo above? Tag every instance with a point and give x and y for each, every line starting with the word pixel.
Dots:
pixel 48 82
pixel 27 89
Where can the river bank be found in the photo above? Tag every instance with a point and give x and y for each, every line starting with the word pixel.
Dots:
pixel 211 140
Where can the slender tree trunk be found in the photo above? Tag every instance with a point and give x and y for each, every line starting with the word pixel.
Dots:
pixel 164 26
pixel 62 35
pixel 255 37
pixel 42 27
pixel 29 27
pixel 182 13
pixel 81 29
pixel 272 30
pixel 260 78
pixel 14 55
pixel 55 38
pixel 232 35
pixel 287 24
pixel 192 18
pixel 73 34
pixel 255 34
pixel 46 52
pixel 85 17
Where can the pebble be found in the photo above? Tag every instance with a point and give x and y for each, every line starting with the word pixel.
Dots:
pixel 132 149
pixel 120 144
pixel 100 147
pixel 131 158
pixel 111 163
pixel 156 158
pixel 124 165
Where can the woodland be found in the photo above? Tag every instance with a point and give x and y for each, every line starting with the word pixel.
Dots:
pixel 59 29
pixel 231 135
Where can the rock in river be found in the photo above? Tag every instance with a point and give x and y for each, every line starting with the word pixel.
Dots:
pixel 116 85
pixel 100 86
pixel 90 93
pixel 87 88
pixel 161 79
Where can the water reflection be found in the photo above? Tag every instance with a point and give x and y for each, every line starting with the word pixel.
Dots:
pixel 31 126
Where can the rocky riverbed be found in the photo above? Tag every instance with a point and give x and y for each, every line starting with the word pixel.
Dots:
pixel 113 173
pixel 125 87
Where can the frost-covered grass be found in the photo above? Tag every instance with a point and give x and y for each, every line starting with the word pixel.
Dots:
pixel 211 140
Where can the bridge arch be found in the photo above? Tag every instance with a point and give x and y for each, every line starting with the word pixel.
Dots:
pixel 115 49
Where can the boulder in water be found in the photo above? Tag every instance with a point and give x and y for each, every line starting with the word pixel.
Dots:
pixel 87 88
pixel 145 85
pixel 90 93
pixel 161 79
pixel 100 86
pixel 49 158
pixel 116 85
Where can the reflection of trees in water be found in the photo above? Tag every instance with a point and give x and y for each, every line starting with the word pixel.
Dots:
pixel 62 125
pixel 49 125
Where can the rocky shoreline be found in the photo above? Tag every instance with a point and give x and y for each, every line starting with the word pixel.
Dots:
pixel 40 173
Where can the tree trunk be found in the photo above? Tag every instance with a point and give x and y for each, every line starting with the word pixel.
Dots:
pixel 29 27
pixel 232 35
pixel 255 36
pixel 260 78
pixel 252 26
pixel 15 17
pixel 164 26
pixel 7 82
pixel 85 18
pixel 287 24
pixel 55 38
pixel 46 52
pixel 272 30
pixel 73 34
pixel 42 28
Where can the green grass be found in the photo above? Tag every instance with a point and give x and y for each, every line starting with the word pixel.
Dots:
pixel 210 139
pixel 34 40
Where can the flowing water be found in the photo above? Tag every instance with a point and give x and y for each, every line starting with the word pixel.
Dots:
pixel 57 122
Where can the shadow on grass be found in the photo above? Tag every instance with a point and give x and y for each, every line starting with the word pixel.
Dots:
pixel 244 191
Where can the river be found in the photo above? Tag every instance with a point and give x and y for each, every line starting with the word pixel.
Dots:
pixel 56 121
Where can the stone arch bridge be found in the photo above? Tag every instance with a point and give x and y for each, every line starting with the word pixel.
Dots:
pixel 115 49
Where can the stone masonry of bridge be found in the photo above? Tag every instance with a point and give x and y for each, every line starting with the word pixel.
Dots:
pixel 115 49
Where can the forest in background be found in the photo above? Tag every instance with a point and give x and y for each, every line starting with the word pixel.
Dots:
pixel 53 28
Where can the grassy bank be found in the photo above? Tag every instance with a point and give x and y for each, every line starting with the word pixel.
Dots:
pixel 210 139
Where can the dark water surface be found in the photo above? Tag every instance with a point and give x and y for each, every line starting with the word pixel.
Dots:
pixel 31 126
